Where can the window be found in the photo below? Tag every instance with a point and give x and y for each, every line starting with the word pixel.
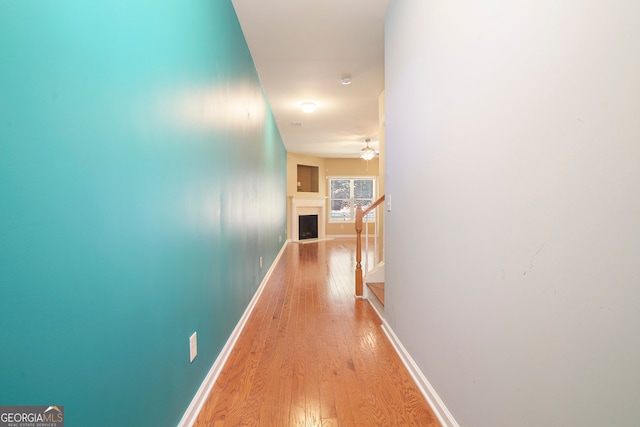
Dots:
pixel 346 193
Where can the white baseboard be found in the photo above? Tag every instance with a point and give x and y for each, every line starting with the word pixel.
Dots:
pixel 191 414
pixel 306 241
pixel 437 405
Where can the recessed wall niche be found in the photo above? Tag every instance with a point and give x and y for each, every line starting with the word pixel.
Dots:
pixel 308 179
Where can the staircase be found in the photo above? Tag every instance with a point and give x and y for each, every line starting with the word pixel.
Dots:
pixel 374 289
pixel 374 278
pixel 377 289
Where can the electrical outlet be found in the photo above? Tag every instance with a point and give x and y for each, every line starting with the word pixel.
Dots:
pixel 193 346
pixel 388 198
pixel 260 262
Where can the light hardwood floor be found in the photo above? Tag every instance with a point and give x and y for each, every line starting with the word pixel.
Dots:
pixel 311 354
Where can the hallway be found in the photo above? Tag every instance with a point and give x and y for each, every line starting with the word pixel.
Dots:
pixel 313 355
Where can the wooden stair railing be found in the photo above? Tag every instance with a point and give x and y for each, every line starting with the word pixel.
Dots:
pixel 360 214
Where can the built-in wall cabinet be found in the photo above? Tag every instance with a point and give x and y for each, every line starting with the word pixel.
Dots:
pixel 307 178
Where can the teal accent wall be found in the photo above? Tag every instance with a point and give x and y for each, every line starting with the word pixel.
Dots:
pixel 142 176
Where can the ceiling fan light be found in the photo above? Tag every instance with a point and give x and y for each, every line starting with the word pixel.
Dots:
pixel 367 152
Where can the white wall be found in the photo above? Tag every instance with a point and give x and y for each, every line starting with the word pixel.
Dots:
pixel 513 161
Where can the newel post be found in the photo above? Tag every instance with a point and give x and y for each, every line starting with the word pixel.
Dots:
pixel 359 216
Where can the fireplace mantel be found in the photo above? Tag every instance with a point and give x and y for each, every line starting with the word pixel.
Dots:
pixel 307 205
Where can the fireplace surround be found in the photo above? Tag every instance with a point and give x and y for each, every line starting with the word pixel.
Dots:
pixel 307 205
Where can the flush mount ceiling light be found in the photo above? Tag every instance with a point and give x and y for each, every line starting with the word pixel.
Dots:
pixel 308 107
pixel 367 152
pixel 345 79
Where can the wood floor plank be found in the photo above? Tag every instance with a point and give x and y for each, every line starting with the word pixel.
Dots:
pixel 313 355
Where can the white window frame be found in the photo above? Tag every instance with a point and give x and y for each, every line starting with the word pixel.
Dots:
pixel 352 217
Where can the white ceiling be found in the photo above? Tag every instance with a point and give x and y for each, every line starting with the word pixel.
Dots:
pixel 301 49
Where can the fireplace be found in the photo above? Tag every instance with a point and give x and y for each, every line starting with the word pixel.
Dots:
pixel 307 227
pixel 305 206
